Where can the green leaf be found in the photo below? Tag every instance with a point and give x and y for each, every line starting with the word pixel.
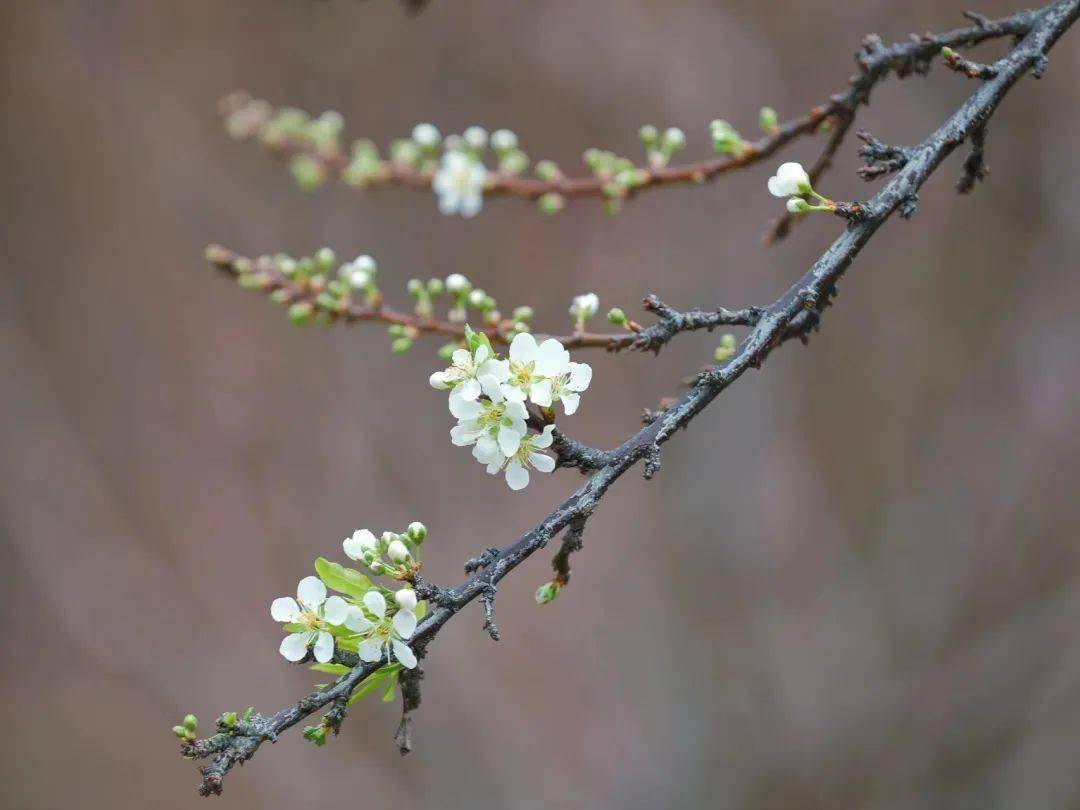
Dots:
pixel 330 669
pixel 421 610
pixel 388 695
pixel 344 580
pixel 374 681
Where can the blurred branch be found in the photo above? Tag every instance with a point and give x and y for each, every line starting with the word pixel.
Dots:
pixel 875 60
pixel 238 742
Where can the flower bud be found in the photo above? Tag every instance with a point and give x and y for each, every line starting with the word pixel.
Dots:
pixel 547 592
pixel 414 286
pixel 797 205
pixel 584 306
pixel 547 170
pixel 523 313
pixel 191 722
pixel 649 136
pixel 180 732
pixel 476 137
pixel 551 203
pixel 426 136
pixel 325 259
pixel 417 531
pixel 457 283
pixel 360 543
pixel 767 119
pixel 503 140
pixel 477 298
pixel 228 719
pixel 726 349
pixel 401 345
pixel 397 551
pixel 406 599
pixel 616 316
pixel 435 287
pixel 674 139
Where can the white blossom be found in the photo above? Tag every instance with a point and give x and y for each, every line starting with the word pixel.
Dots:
pixel 532 368
pixel 459 184
pixel 567 388
pixel 382 635
pixel 314 612
pixel 426 135
pixel 584 307
pixel 494 422
pixel 470 374
pixel 527 455
pixel 358 544
pixel 790 180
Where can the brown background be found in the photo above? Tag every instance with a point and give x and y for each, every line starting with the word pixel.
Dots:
pixel 854 582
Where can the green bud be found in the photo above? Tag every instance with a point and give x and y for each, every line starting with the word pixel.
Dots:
pixel 300 313
pixel 548 170
pixel 305 266
pixel 401 345
pixel 726 349
pixel 287 266
pixel 551 203
pixel 395 330
pixel 446 351
pixel 547 592
pixel 948 53
pixel 191 722
pixel 523 313
pixel 514 162
pixel 249 713
pixel 417 531
pixel 229 719
pixel 250 281
pixel 315 734
pixel 327 301
pixel 180 732
pixel 414 287
pixel 216 254
pixel 325 259
pixel 280 296
pixel 616 316
pixel 767 119
pixel 649 136
pixel 307 172
pixel 435 287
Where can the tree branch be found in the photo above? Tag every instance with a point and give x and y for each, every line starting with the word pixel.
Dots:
pixel 876 61
pixel 236 744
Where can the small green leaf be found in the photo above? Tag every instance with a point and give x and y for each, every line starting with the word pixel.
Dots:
pixel 421 610
pixel 388 695
pixel 341 579
pixel 330 669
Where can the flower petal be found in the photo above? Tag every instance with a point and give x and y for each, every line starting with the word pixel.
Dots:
pixel 544 438
pixel 284 609
pixel 523 348
pixel 311 592
pixel 580 376
pixel 375 602
pixel 370 650
pixel 357 622
pixel 468 390
pixel 335 610
pixel 570 402
pixel 541 462
pixel 551 358
pixel 517 477
pixel 540 393
pixel 324 647
pixel 403 654
pixel 294 646
pixel 509 440
pixel 404 622
pixel 464 408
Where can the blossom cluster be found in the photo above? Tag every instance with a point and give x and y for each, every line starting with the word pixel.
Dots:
pixel 368 619
pixel 489 396
pixel 792 181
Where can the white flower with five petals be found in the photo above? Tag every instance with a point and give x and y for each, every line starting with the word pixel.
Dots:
pixel 471 374
pixel 494 421
pixel 459 184
pixel 314 611
pixel 383 635
pixel 527 455
pixel 533 367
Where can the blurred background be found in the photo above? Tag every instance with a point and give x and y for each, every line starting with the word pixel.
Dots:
pixel 855 582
